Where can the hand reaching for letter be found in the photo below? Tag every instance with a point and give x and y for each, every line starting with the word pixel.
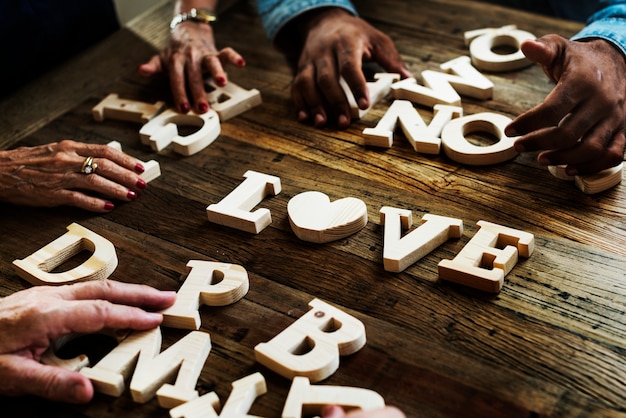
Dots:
pixel 335 44
pixel 190 55
pixel 31 318
pixel 51 175
pixel 581 123
pixel 333 411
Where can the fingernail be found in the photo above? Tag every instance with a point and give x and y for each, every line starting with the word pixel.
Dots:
pixel 302 116
pixel 241 62
pixel 519 147
pixel 139 168
pixel 141 184
pixel 220 81
pixel 203 107
pixel 131 195
pixel 109 206
pixel 319 120
pixel 571 171
pixel 363 103
pixel 510 132
pixel 544 160
pixel 343 121
pixel 184 107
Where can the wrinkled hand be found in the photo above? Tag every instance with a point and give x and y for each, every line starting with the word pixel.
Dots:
pixel 338 412
pixel 335 45
pixel 31 318
pixel 50 175
pixel 581 122
pixel 190 55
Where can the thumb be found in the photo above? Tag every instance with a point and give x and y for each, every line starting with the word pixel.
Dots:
pixel 546 51
pixel 25 376
pixel 151 67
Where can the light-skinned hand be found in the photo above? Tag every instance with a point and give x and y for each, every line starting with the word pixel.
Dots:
pixel 32 318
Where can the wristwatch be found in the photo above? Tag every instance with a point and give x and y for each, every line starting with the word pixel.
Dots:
pixel 197 15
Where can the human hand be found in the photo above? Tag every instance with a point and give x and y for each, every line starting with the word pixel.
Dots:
pixel 50 175
pixel 333 411
pixel 335 44
pixel 190 55
pixel 581 123
pixel 31 318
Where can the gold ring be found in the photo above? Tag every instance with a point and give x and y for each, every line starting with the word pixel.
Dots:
pixel 89 167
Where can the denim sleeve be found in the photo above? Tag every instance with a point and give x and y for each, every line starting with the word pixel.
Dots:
pixel 276 13
pixel 608 23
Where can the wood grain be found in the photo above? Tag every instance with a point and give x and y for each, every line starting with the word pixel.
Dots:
pixel 551 343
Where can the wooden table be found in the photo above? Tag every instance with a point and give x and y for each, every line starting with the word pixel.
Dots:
pixel 551 343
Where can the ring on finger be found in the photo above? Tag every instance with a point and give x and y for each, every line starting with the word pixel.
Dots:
pixel 89 166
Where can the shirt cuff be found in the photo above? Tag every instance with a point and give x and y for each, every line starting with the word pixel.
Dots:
pixel 277 13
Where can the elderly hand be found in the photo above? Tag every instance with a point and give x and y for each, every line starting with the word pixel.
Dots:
pixel 335 44
pixel 333 411
pixel 581 122
pixel 31 318
pixel 190 55
pixel 51 175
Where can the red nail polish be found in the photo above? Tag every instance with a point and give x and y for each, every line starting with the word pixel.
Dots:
pixel 241 62
pixel 139 168
pixel 141 184
pixel 184 107
pixel 203 107
pixel 220 81
pixel 131 195
pixel 109 206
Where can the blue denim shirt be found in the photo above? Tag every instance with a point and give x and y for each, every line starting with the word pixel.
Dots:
pixel 608 22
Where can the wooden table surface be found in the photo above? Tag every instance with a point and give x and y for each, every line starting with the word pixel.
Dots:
pixel 551 343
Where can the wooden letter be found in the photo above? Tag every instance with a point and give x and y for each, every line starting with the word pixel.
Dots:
pixel 311 346
pixel 424 138
pixel 483 41
pixel 208 283
pixel 591 183
pixel 112 107
pixel 203 407
pixel 377 91
pixel 152 169
pixel 459 149
pixel 399 253
pixel 184 360
pixel 163 130
pixel 314 218
pixel 36 267
pixel 307 399
pixel 444 88
pixel 234 209
pixel 244 392
pixel 232 100
pixel 487 257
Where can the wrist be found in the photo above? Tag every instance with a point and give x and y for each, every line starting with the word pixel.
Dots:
pixel 197 15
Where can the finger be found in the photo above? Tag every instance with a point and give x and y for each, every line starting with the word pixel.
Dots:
pixel 332 411
pixel 307 97
pixel 195 81
pixel 387 56
pixel 559 102
pixel 590 155
pixel 214 67
pixel 104 151
pixel 176 69
pixel 350 68
pixel 120 293
pixel 113 174
pixel 151 67
pixel 230 56
pixel 328 83
pixel 24 376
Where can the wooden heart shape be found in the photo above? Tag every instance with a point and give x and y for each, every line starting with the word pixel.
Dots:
pixel 314 218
